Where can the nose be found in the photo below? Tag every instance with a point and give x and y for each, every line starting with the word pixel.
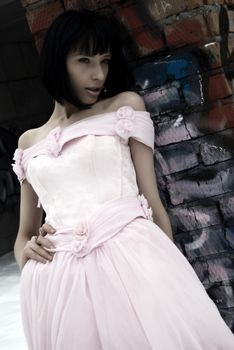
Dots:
pixel 98 73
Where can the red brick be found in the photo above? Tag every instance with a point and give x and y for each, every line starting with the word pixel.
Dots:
pixel 220 117
pixel 129 17
pixel 41 18
pixel 212 50
pixel 218 87
pixel 190 31
pixel 161 9
pixel 146 43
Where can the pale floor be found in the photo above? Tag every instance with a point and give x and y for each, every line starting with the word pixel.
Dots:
pixel 11 332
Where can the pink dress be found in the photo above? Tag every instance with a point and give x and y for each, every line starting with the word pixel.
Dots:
pixel 116 282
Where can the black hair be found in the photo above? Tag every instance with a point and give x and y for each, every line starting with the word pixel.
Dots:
pixel 92 34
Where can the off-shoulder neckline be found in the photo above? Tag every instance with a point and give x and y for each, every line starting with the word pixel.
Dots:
pixel 93 116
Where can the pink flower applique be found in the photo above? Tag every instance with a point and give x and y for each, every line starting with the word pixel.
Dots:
pixel 18 165
pixel 81 235
pixel 53 145
pixel 124 125
pixel 145 206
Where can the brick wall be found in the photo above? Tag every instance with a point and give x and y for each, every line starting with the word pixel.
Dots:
pixel 182 59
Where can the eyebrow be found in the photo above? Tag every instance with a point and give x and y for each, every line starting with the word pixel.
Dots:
pixel 84 55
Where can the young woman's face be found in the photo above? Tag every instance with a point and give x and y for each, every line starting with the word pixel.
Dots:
pixel 87 75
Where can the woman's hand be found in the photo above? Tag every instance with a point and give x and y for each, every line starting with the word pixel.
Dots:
pixel 34 248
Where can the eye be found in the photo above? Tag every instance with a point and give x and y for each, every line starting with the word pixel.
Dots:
pixel 106 61
pixel 83 60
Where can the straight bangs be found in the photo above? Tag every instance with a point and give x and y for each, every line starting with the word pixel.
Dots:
pixel 94 40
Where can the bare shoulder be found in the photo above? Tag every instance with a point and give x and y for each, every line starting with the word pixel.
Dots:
pixel 129 98
pixel 28 138
pixel 24 139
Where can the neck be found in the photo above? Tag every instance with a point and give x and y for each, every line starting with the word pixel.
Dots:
pixel 64 111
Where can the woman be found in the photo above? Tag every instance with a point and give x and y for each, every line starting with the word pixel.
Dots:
pixel 110 276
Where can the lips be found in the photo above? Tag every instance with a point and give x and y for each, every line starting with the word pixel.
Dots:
pixel 93 90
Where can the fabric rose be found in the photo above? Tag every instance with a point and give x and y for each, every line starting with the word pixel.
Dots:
pixel 124 126
pixel 125 112
pixel 18 165
pixel 145 206
pixel 81 235
pixel 53 145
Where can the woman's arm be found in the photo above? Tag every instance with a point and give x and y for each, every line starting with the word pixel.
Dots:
pixel 25 246
pixel 30 221
pixel 143 161
pixel 142 157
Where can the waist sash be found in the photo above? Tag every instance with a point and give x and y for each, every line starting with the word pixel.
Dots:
pixel 103 224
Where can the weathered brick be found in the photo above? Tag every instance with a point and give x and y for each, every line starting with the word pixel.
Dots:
pixel 231 20
pixel 201 269
pixel 214 270
pixel 230 231
pixel 161 9
pixel 195 124
pixel 212 21
pixel 158 10
pixel 213 153
pixel 171 132
pixel 189 31
pixel 221 269
pixel 226 205
pixel 217 147
pixel 186 218
pixel 212 53
pixel 176 157
pixel 163 100
pixel 204 242
pixel 40 18
pixel 218 118
pixel 221 117
pixel 218 87
pixel 130 17
pixel 146 43
pixel 201 183
pixel 174 68
pixel 222 295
